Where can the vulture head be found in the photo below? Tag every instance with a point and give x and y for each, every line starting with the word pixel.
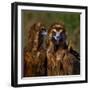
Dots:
pixel 57 35
pixel 38 33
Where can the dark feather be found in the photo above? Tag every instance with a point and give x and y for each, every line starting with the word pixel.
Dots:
pixel 75 53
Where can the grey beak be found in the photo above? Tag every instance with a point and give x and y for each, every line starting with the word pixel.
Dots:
pixel 57 36
pixel 44 33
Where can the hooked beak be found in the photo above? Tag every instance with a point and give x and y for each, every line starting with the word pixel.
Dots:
pixel 57 37
pixel 44 33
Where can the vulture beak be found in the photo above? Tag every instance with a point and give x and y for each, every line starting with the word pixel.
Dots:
pixel 57 37
pixel 44 32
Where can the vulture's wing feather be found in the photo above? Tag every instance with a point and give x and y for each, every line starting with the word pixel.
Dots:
pixel 75 53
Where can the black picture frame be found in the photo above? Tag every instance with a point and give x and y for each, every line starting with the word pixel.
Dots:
pixel 14 43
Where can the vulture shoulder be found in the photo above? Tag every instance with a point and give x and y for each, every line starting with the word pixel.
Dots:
pixel 71 62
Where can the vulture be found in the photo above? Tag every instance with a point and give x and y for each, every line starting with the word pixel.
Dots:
pixel 35 57
pixel 62 59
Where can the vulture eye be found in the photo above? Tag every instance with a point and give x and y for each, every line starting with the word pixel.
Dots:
pixel 53 33
pixel 43 29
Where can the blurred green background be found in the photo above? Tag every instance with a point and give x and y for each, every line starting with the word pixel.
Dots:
pixel 71 21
